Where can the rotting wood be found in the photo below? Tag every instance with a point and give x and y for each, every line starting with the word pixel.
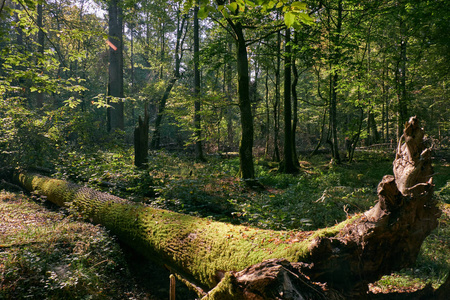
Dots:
pixel 337 262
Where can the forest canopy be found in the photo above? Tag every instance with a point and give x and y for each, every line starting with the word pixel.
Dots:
pixel 268 75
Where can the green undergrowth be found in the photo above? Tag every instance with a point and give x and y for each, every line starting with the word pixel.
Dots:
pixel 320 195
pixel 47 254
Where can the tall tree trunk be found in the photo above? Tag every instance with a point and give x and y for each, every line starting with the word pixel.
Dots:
pixel 287 165
pixel 247 170
pixel 294 105
pixel 115 83
pixel 181 23
pixel 355 139
pixel 197 88
pixel 229 91
pixel 40 50
pixel 131 24
pixel 276 104
pixel 383 97
pixel 322 132
pixel 267 126
pixel 334 85
pixel 401 92
pixel 19 35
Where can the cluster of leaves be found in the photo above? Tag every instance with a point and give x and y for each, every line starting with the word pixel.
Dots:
pixel 293 12
pixel 30 138
pixel 24 136
pixel 47 254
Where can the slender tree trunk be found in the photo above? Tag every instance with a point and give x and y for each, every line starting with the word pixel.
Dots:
pixel 19 36
pixel 402 95
pixel 276 104
pixel 156 139
pixel 322 132
pixel 40 50
pixel 267 131
pixel 131 24
pixel 288 162
pixel 115 84
pixel 355 139
pixel 334 82
pixel 383 97
pixel 246 144
pixel 229 91
pixel 294 105
pixel 197 88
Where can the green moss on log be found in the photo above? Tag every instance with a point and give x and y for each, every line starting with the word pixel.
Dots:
pixel 190 245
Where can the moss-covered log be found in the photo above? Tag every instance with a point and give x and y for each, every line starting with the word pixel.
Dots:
pixel 345 257
pixel 196 247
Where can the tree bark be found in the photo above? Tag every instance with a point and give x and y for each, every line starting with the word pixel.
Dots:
pixel 115 113
pixel 156 138
pixel 276 104
pixel 229 110
pixel 287 165
pixel 40 50
pixel 197 87
pixel 334 81
pixel 247 170
pixel 294 106
pixel 331 263
pixel 401 73
pixel 267 125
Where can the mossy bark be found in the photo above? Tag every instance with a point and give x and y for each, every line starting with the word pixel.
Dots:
pixel 343 258
pixel 198 248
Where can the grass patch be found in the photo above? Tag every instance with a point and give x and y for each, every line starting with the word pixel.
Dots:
pixel 49 255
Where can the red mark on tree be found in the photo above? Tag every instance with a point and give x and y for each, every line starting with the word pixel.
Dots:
pixel 111 45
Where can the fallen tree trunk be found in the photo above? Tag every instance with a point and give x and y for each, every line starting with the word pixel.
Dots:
pixel 331 263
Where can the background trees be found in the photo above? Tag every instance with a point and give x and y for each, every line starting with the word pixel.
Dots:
pixel 354 78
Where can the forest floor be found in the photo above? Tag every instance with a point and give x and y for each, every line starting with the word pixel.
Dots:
pixel 47 253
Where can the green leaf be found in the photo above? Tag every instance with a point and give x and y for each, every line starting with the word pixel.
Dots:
pixel 232 6
pixel 202 12
pixel 279 4
pixel 289 19
pixel 299 5
pixel 305 18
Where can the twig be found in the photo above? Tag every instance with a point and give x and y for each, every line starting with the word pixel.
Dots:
pixel 3 5
pixel 198 290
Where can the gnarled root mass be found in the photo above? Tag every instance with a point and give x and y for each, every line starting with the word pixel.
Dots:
pixel 238 262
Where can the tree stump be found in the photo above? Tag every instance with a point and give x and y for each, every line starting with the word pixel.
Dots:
pixel 141 141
